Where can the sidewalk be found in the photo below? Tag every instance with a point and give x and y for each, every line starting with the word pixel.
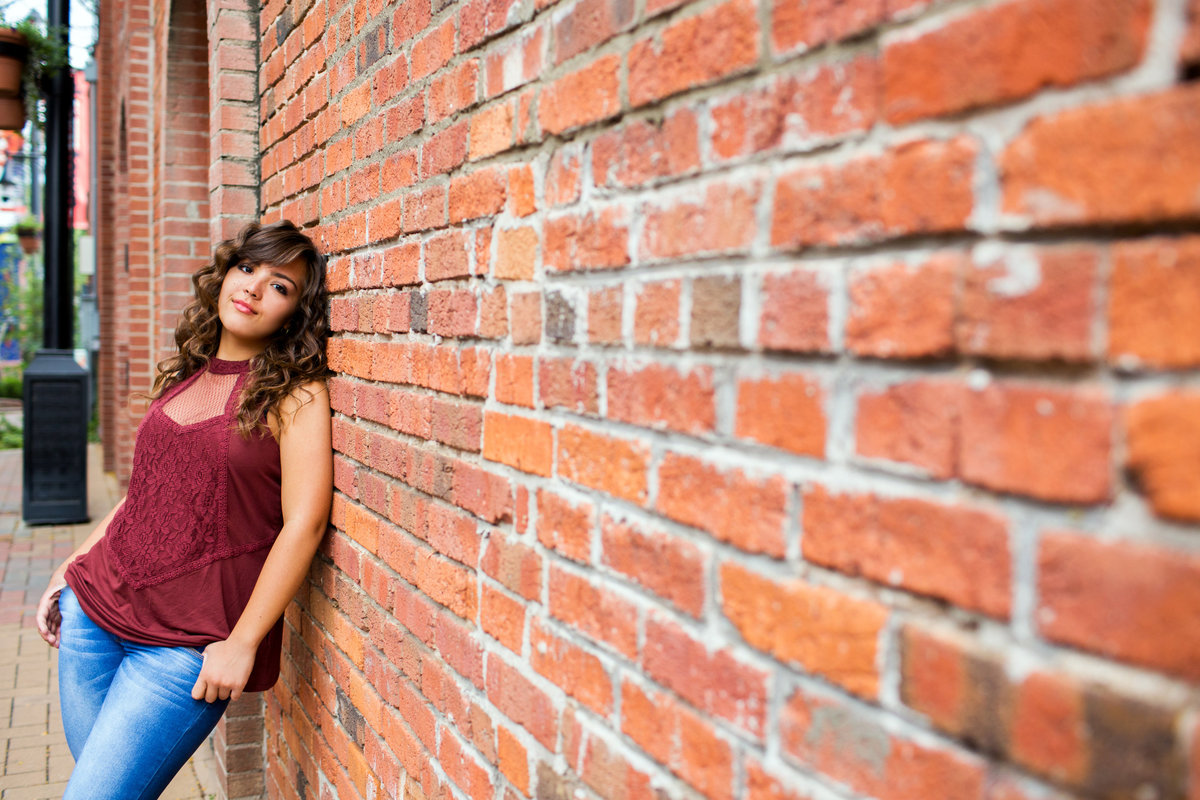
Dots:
pixel 34 760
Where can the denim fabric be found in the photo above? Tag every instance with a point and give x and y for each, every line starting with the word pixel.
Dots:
pixel 127 709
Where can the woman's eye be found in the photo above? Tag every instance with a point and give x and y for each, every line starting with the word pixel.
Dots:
pixel 246 268
pixel 279 287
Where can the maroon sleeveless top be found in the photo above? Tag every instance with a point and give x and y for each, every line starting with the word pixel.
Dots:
pixel 181 557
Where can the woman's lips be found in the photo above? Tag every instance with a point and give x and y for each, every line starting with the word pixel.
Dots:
pixel 242 307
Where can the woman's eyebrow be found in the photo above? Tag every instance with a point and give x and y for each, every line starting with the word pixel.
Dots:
pixel 282 276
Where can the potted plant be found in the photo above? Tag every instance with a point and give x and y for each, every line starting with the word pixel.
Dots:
pixel 27 57
pixel 28 232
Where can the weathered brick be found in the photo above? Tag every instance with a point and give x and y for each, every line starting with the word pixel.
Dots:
pixel 744 510
pixel 1154 303
pixel 787 412
pixel 902 310
pixel 1163 434
pixel 913 423
pixel 660 397
pixel 587 95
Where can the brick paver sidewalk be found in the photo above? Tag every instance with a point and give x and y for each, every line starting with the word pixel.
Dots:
pixel 34 760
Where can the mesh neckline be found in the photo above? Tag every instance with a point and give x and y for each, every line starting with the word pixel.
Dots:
pixel 222 367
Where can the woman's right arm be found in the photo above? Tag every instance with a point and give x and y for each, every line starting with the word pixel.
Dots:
pixel 48 618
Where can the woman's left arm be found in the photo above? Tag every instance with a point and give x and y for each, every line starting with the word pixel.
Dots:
pixel 306 464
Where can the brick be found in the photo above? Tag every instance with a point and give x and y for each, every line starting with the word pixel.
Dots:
pixel 721 221
pixel 491 131
pixel 661 398
pixel 571 385
pixel 516 253
pixel 716 313
pixel 1163 434
pixel 640 152
pixel 795 312
pixel 589 23
pixel 717 683
pixel 579 673
pixel 1133 602
pixel 565 526
pixel 656 314
pixel 520 442
pixel 594 611
pixel 452 313
pixel 1103 164
pixel 502 618
pixel 814 729
pixel 447 256
pixel 514 380
pixel 562 176
pixel 443 151
pixel 1029 303
pixel 819 629
pixel 615 466
pixel 454 90
pixel 694 51
pixel 669 566
pixel 1052 444
pixel 595 239
pixel 914 423
pixel 522 200
pixel 787 412
pixel 525 312
pixel 1154 303
pixel 1081 735
pixel 513 759
pixel 481 193
pixel 1010 51
pixel 521 701
pixel 513 564
pixel 431 52
pixel 560 317
pixel 1190 50
pixel 904 311
pixel 744 510
pixel 516 61
pixel 822 104
pixel 605 307
pixel 582 97
pixel 805 24
pixel 951 552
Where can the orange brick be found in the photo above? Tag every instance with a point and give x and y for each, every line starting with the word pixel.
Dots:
pixel 1154 302
pixel 913 423
pixel 816 628
pixel 565 526
pixel 745 511
pixel 588 24
pixel 1104 164
pixel 520 442
pixel 669 566
pixel 656 314
pixel 1163 445
pixel 1030 303
pixel 516 253
pixel 615 466
pixel 787 412
pixel 1010 51
pixel 717 683
pixel 584 96
pixel 514 380
pixel 814 730
pixel 806 24
pixel 904 311
pixel 502 618
pixel 595 612
pixel 640 152
pixel 955 553
pixel 1133 602
pixel 595 239
pixel 525 312
pixel 579 673
pixel 482 193
pixel 566 383
pixel 721 221
pixel 795 312
pixel 521 701
pixel 663 398
pixel 694 51
pixel 1052 444
pixel 491 131
pixel 514 760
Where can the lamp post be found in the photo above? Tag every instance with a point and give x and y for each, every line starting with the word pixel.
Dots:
pixel 55 390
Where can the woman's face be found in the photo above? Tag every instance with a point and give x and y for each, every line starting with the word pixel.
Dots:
pixel 257 300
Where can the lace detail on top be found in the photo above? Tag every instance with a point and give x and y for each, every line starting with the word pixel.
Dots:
pixel 174 520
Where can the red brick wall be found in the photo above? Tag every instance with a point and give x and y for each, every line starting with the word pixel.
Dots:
pixel 755 398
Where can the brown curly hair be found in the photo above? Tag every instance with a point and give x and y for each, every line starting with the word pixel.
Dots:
pixel 294 356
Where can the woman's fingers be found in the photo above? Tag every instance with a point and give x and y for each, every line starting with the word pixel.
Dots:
pixel 48 618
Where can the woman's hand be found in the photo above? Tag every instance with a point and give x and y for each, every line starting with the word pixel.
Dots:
pixel 226 669
pixel 48 617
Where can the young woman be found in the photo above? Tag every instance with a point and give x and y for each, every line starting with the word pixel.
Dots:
pixel 172 607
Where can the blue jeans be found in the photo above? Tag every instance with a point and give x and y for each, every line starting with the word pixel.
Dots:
pixel 127 709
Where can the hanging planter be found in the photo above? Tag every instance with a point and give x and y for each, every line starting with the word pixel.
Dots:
pixel 29 234
pixel 27 57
